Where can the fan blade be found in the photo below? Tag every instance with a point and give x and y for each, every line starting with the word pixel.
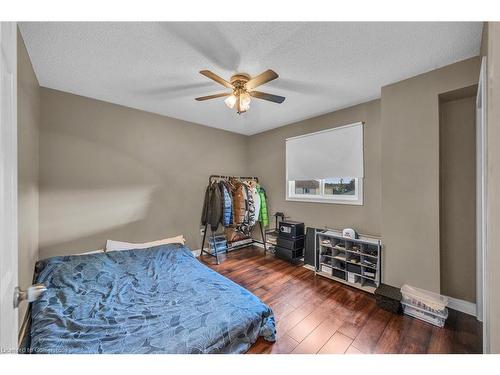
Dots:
pixel 270 97
pixel 216 78
pixel 262 78
pixel 213 96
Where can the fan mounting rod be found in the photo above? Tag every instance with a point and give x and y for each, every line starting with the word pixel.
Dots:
pixel 239 79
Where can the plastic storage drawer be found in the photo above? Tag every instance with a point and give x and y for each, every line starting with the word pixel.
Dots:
pixel 426 316
pixel 220 244
pixel 424 300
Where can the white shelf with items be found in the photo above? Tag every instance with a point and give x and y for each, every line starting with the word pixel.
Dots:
pixel 355 262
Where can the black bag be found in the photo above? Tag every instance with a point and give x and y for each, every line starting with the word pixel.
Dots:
pixel 388 298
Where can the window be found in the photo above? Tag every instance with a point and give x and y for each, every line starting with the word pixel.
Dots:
pixel 307 187
pixel 340 186
pixel 326 166
pixel 344 190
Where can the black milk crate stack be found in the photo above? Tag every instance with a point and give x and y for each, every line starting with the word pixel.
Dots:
pixel 290 243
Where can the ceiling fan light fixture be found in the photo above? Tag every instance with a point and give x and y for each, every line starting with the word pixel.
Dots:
pixel 230 101
pixel 244 108
pixel 244 99
pixel 242 89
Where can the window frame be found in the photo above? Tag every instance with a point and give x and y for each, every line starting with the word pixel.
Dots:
pixel 356 199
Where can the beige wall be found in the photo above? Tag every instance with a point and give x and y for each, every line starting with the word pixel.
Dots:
pixel 410 173
pixel 457 149
pixel 492 49
pixel 111 172
pixel 267 160
pixel 28 119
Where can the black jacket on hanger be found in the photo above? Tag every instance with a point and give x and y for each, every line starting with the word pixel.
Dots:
pixel 212 207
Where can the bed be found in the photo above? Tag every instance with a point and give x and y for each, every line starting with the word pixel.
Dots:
pixel 156 300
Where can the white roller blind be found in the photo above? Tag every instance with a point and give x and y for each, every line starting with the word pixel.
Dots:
pixel 336 152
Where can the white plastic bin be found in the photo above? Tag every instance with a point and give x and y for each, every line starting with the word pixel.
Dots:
pixel 424 300
pixel 426 316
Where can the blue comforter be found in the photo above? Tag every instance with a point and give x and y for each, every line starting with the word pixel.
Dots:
pixel 157 300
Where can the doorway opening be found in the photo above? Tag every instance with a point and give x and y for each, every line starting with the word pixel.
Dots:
pixel 457 169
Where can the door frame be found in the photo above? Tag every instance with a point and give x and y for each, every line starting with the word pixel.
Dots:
pixel 482 302
pixel 8 187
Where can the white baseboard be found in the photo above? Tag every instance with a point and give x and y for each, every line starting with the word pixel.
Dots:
pixel 309 267
pixel 196 253
pixel 463 306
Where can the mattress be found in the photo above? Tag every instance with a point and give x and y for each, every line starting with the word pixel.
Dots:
pixel 157 300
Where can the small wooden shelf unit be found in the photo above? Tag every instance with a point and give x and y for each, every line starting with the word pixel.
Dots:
pixel 337 257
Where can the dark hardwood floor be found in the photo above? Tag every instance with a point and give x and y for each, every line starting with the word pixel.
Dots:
pixel 317 315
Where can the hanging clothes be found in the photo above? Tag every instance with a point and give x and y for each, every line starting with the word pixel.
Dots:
pixel 256 202
pixel 239 203
pixel 243 225
pixel 252 219
pixel 227 205
pixel 263 215
pixel 236 204
pixel 256 199
pixel 212 207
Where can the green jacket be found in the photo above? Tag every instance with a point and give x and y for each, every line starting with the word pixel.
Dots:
pixel 263 214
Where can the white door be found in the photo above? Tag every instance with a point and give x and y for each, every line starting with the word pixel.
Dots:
pixel 8 186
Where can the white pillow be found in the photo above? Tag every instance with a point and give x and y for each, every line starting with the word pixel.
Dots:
pixel 119 245
pixel 92 252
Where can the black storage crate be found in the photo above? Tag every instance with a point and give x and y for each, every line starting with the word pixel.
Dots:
pixel 290 255
pixel 292 244
pixel 388 298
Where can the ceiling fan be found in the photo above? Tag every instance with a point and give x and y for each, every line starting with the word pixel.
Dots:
pixel 242 86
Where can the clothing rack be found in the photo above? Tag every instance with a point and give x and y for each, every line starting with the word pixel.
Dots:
pixel 214 178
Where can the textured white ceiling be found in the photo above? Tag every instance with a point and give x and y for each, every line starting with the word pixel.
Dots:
pixel 322 66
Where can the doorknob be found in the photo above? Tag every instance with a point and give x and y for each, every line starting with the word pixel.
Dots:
pixel 31 294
